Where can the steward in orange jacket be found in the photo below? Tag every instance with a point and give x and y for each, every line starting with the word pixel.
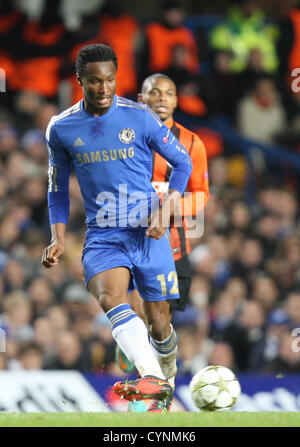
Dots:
pixel 10 24
pixel 162 37
pixel 40 54
pixel 288 46
pixel 120 32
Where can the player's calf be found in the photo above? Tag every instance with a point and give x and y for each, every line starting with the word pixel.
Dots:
pixel 165 352
pixel 163 338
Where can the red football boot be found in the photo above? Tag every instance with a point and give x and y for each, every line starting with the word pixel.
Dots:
pixel 147 387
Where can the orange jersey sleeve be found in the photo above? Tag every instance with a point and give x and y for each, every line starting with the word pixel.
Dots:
pixel 198 182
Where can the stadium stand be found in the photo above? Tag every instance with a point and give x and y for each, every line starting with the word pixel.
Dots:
pixel 244 300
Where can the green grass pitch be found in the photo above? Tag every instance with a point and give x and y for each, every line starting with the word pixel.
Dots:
pixel 176 419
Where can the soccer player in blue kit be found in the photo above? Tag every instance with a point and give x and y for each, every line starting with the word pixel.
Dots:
pixel 108 140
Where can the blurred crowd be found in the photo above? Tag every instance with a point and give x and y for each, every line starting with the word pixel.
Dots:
pixel 244 304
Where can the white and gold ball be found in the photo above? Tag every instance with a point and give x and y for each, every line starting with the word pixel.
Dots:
pixel 215 388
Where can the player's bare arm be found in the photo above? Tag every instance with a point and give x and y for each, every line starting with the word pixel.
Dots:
pixel 53 252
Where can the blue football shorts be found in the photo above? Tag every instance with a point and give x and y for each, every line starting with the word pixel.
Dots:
pixel 149 260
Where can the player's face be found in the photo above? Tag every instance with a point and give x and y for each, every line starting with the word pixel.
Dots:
pixel 99 86
pixel 160 95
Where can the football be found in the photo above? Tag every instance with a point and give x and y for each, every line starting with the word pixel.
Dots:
pixel 215 388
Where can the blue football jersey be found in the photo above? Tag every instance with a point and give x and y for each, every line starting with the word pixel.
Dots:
pixel 112 159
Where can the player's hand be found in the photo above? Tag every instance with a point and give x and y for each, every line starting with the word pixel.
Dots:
pixel 156 232
pixel 155 228
pixel 51 254
pixel 159 220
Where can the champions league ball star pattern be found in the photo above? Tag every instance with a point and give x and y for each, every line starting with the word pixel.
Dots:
pixel 215 388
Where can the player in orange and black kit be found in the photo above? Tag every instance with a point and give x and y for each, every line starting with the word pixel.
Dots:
pixel 159 92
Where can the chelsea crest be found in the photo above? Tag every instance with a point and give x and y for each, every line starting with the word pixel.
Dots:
pixel 127 135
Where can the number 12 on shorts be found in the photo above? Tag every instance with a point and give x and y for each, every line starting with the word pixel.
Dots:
pixel 173 282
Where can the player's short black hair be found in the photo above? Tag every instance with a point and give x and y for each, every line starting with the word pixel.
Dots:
pixel 98 52
pixel 166 5
pixel 154 76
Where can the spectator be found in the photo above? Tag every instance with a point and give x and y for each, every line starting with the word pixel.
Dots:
pixel 41 295
pixel 192 355
pixel 218 174
pixel 252 318
pixel 223 312
pixel 268 349
pixel 11 21
pixel 164 35
pixel 26 107
pixel 267 228
pixel 44 337
pixel 18 167
pixel 287 360
pixel 12 351
pixel 102 355
pixel 260 114
pixel 19 313
pixel 59 279
pixel 284 266
pixel 31 357
pixel 245 333
pixel 59 317
pixel 42 44
pixel 254 70
pixel 9 233
pixel 288 42
pixel 70 354
pixel 75 299
pixel 33 194
pixel 33 239
pixel 266 292
pixel 292 308
pixel 192 89
pixel 250 261
pixel 235 241
pixel 244 30
pixel 224 87
pixel 240 217
pixel 121 31
pixel 283 204
pixel 114 26
pixel 222 355
pixel 237 289
pixel 200 291
pixel 9 141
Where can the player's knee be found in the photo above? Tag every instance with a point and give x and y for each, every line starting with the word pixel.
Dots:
pixel 109 299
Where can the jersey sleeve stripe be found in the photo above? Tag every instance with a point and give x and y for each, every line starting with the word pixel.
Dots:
pixel 157 119
pixel 192 144
pixel 52 175
pixel 54 119
pixel 132 106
